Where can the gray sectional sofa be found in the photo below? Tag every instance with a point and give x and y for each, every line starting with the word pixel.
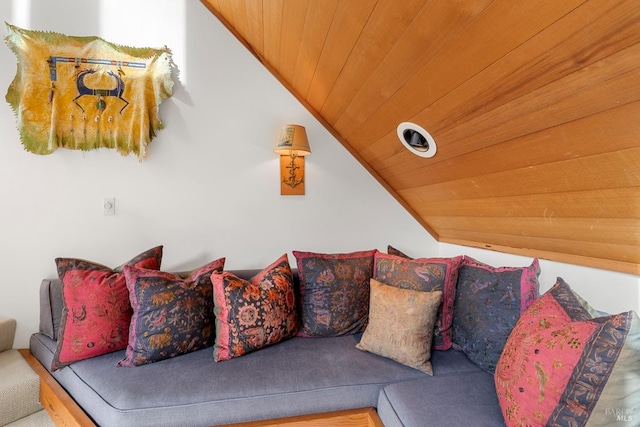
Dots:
pixel 294 377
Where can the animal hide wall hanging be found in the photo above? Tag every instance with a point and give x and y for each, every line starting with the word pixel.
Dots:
pixel 84 93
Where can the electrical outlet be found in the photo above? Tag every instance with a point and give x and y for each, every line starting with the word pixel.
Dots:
pixel 109 206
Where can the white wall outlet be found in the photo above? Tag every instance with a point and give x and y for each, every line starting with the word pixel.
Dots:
pixel 109 206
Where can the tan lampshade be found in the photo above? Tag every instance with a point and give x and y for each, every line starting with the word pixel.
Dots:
pixel 293 139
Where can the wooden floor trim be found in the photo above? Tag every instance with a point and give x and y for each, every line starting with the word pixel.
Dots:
pixel 363 417
pixel 61 407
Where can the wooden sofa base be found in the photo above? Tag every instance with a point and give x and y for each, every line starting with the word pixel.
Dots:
pixel 65 411
pixel 62 409
pixel 364 417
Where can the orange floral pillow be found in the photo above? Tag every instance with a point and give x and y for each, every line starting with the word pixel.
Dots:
pixel 561 366
pixel 252 314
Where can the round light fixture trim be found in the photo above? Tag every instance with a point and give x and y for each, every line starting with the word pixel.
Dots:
pixel 416 139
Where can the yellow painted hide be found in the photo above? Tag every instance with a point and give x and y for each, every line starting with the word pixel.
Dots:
pixel 84 93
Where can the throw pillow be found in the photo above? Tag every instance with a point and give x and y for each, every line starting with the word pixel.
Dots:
pixel 424 274
pixel 401 325
pixel 96 312
pixel 487 306
pixel 561 366
pixel 172 314
pixel 252 314
pixel 334 292
pixel 393 251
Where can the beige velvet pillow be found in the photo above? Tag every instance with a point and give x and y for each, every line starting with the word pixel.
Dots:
pixel 401 325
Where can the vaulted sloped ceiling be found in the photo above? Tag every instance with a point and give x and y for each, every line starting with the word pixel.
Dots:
pixel 534 106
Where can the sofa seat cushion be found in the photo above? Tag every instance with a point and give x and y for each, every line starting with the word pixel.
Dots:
pixel 294 377
pixel 446 400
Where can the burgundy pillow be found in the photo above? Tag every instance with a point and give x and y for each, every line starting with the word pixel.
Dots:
pixel 252 314
pixel 96 313
pixel 172 314
pixel 424 274
pixel 334 292
pixel 397 252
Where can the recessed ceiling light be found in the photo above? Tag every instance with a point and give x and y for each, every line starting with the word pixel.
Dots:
pixel 416 139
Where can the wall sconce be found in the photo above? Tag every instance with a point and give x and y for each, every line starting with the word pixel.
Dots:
pixel 292 146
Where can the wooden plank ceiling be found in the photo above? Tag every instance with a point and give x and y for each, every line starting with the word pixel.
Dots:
pixel 534 106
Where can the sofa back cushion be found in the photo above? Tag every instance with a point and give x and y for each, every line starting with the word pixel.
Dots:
pixel 51 305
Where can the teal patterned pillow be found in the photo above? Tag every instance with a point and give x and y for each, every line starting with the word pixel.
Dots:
pixel 424 274
pixel 334 292
pixel 172 315
pixel 488 304
pixel 252 314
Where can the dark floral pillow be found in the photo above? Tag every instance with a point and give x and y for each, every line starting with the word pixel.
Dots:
pixel 424 274
pixel 561 366
pixel 397 252
pixel 252 314
pixel 334 292
pixel 488 304
pixel 172 314
pixel 96 313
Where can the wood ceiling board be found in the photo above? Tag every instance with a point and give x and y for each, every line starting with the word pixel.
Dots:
pixel 482 43
pixel 272 24
pixel 294 20
pixel 602 251
pixel 432 27
pixel 612 130
pixel 255 25
pixel 350 19
pixel 385 24
pixel 556 52
pixel 610 170
pixel 319 17
pixel 617 231
pixel 236 13
pixel 595 262
pixel 607 84
pixel 607 203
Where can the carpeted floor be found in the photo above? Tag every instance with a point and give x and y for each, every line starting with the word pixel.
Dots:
pixel 38 419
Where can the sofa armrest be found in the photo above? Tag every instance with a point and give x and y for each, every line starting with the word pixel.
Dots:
pixel 7 333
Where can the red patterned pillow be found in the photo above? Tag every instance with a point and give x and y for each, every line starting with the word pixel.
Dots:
pixel 334 292
pixel 252 314
pixel 172 314
pixel 561 366
pixel 96 313
pixel 424 274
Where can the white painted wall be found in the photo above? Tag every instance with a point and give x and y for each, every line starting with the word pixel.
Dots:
pixel 209 185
